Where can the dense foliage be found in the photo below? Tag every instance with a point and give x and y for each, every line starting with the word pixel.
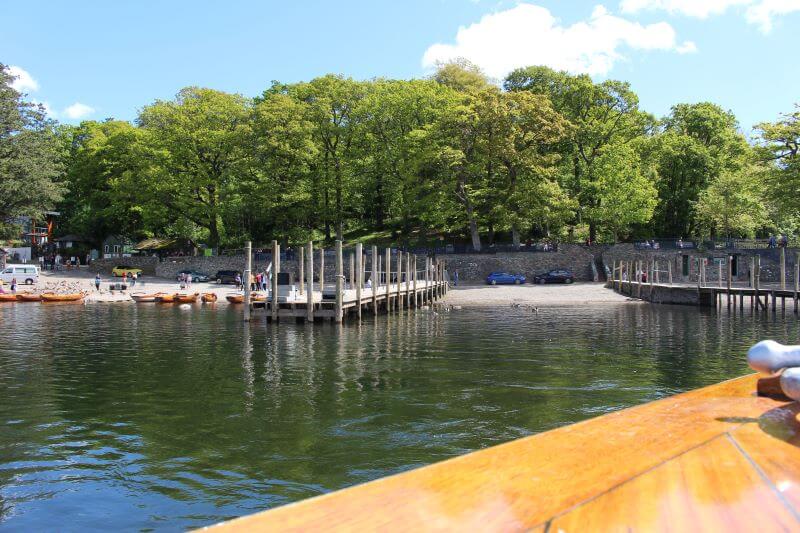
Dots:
pixel 549 155
pixel 31 159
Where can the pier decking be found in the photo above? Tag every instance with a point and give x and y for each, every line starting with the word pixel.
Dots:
pixel 715 459
pixel 405 285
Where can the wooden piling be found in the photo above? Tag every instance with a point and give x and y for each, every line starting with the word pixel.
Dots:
pixel 796 281
pixel 351 272
pixel 388 278
pixel 669 271
pixel 783 269
pixel 337 316
pixel 730 278
pixel 757 280
pixel 248 268
pixel 301 271
pixel 276 268
pixel 374 279
pixel 408 280
pixel 359 259
pixel 322 269
pixel 414 277
pixel 399 279
pixel 719 275
pixel 310 277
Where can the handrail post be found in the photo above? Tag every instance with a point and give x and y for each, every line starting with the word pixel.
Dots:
pixel 301 270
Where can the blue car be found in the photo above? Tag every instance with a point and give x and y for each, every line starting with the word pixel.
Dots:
pixel 504 278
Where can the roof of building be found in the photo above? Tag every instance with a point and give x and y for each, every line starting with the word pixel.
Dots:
pixel 162 244
pixel 71 238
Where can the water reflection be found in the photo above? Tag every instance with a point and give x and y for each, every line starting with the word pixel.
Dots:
pixel 152 417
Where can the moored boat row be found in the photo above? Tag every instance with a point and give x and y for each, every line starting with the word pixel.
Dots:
pixel 42 297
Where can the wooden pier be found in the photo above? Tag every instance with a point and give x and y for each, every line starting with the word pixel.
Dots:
pixel 715 459
pixel 370 285
pixel 642 281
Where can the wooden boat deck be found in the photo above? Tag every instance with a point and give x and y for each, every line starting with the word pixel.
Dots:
pixel 718 458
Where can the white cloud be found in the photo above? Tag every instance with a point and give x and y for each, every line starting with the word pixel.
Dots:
pixel 530 35
pixel 24 81
pixel 78 110
pixel 758 12
pixel 764 11
pixel 692 8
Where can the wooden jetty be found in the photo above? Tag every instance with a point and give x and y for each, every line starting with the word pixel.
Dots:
pixel 719 458
pixel 370 285
pixel 639 280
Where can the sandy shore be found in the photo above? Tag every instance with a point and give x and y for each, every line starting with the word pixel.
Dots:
pixel 533 295
pixel 464 295
pixel 83 279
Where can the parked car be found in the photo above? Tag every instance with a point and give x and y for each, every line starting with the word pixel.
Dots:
pixel 504 278
pixel 119 270
pixel 226 276
pixel 196 276
pixel 555 276
pixel 27 274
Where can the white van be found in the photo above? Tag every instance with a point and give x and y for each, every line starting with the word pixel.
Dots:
pixel 27 274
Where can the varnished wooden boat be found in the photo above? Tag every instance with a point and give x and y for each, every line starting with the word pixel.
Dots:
pixel 8 297
pixel 165 298
pixel 182 298
pixel 715 459
pixel 208 298
pixel 52 297
pixel 145 298
pixel 29 297
pixel 237 298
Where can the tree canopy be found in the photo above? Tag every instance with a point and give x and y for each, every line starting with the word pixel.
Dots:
pixel 547 155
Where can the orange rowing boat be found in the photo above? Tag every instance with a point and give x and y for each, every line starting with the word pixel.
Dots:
pixel 209 298
pixel 6 297
pixel 186 298
pixel 29 297
pixel 165 298
pixel 145 298
pixel 52 297
pixel 235 298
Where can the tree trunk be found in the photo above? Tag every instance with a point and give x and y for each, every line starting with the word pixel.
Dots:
pixel 592 232
pixel 515 236
pixel 473 223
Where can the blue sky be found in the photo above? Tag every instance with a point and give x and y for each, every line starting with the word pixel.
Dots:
pixel 94 59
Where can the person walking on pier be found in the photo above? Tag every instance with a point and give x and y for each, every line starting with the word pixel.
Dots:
pixel 238 281
pixel 455 278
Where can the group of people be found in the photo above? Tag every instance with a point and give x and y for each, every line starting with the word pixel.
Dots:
pixel 778 242
pixel 185 280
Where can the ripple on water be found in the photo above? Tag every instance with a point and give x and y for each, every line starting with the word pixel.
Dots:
pixel 137 417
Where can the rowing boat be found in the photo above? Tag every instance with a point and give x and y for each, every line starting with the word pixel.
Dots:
pixel 29 297
pixel 6 297
pixel 183 298
pixel 235 298
pixel 165 298
pixel 208 298
pixel 52 297
pixel 145 298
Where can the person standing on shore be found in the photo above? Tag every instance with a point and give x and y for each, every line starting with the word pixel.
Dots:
pixel 13 284
pixel 189 280
pixel 97 282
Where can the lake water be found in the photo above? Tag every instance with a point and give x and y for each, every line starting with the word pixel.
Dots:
pixel 149 417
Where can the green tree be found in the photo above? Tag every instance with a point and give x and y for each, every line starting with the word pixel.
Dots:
pixel 780 148
pixel 626 195
pixel 197 147
pixel 697 143
pixel 602 114
pixel 733 204
pixel 31 157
